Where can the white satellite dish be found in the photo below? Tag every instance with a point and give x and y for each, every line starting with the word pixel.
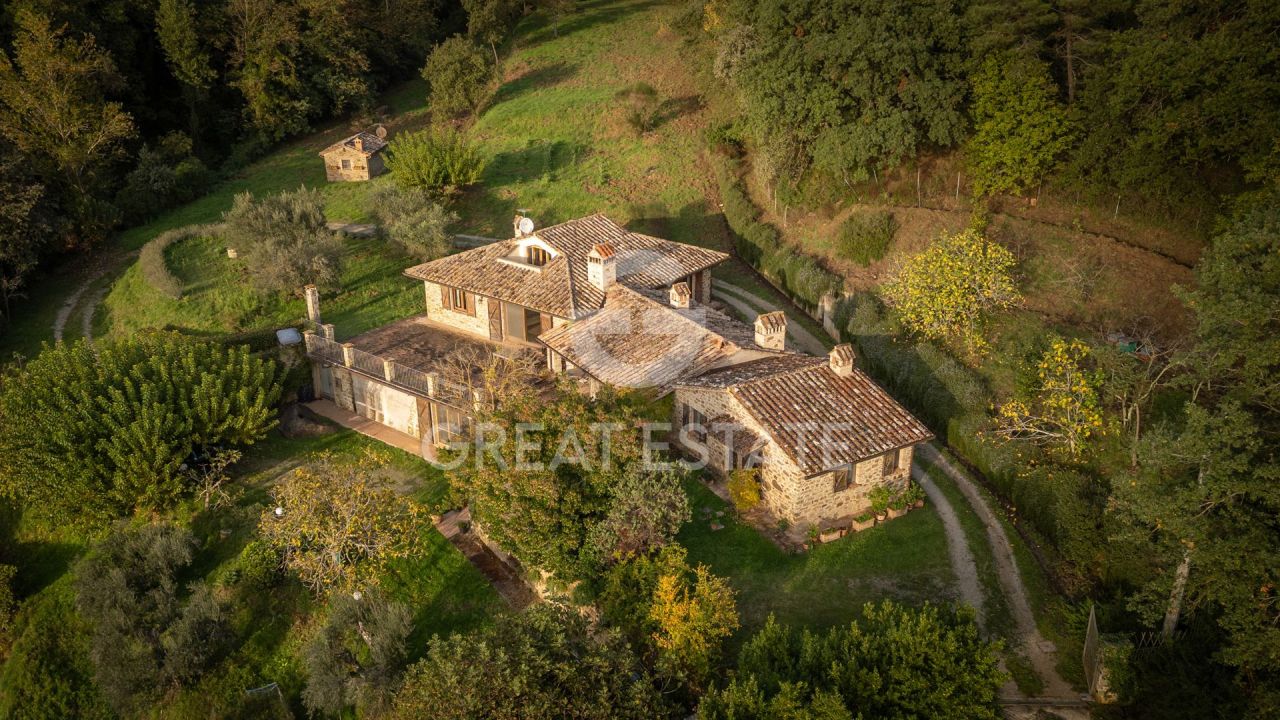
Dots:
pixel 380 131
pixel 526 226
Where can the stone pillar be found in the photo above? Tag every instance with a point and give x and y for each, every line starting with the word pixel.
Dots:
pixel 328 330
pixel 433 384
pixel 348 354
pixel 313 303
pixel 388 370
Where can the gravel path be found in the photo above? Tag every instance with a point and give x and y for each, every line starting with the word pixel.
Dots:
pixel 1041 652
pixel 962 563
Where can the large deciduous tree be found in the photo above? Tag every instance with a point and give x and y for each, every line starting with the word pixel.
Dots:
pixel 948 291
pixel 358 655
pixel 54 109
pixel 265 40
pixel 1020 129
pixel 457 73
pixel 339 524
pixel 543 662
pixel 891 662
pixel 103 430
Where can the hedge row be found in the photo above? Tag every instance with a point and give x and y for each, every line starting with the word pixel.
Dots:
pixel 759 243
pixel 155 268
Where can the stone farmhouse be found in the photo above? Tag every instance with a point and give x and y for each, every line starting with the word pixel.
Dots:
pixel 358 157
pixel 606 306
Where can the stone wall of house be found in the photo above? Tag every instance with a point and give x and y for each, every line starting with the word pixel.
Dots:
pixel 785 490
pixel 362 168
pixel 477 324
pixel 778 472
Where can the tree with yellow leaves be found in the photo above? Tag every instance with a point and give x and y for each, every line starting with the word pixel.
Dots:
pixel 338 525
pixel 947 292
pixel 1062 412
pixel 692 616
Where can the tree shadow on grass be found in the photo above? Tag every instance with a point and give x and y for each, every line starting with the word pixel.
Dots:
pixel 537 159
pixel 673 108
pixel 587 16
pixel 536 79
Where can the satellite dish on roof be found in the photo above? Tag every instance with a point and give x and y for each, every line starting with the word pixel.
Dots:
pixel 526 226
pixel 380 131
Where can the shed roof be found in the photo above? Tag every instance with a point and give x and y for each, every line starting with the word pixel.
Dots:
pixel 370 144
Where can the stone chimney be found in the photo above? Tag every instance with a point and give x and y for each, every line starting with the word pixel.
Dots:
pixel 602 268
pixel 842 357
pixel 681 296
pixel 771 330
pixel 358 142
pixel 313 303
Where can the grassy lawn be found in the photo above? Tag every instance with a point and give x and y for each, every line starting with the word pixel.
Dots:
pixel 218 298
pixel 904 560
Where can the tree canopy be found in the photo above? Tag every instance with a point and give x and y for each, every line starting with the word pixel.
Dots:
pixel 93 432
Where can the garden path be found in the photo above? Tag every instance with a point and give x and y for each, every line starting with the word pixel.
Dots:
pixel 750 305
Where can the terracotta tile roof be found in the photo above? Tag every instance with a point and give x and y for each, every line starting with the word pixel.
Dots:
pixel 821 420
pixel 560 287
pixel 372 144
pixel 638 340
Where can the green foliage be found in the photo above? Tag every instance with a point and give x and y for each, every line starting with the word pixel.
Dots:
pixel 357 656
pixel 1181 89
pixel 891 662
pixel 7 607
pixel 165 175
pixel 53 109
pixel 154 264
pixel 489 21
pixel 830 84
pixel 640 105
pixel 257 568
pixel 744 489
pixel 948 291
pixel 542 509
pixel 340 525
pixel 438 160
pixel 283 240
pixel 865 236
pixel 414 220
pixel 96 432
pixel 26 229
pixel 1020 129
pixel 647 509
pixel 145 635
pixel 458 73
pixel 542 662
pixel 880 497
pixel 49 675
pixel 693 613
pixel 1062 410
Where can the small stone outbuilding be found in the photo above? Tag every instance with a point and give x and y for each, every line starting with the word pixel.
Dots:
pixel 358 157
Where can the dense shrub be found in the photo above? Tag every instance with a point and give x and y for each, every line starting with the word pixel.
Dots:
pixel 284 240
pixel 640 106
pixel 96 432
pixel 542 662
pixel 457 72
pixel 435 160
pixel 865 237
pixel 414 220
pixel 648 508
pixel 357 657
pixel 166 174
pixel 154 264
pixel 744 489
pixel 48 674
pixel 148 634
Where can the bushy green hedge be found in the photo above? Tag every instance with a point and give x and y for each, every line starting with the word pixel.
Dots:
pixel 155 268
pixel 865 236
pixel 759 243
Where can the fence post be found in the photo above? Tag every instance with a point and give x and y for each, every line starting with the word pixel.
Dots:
pixel 313 303
pixel 348 354
pixel 328 330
